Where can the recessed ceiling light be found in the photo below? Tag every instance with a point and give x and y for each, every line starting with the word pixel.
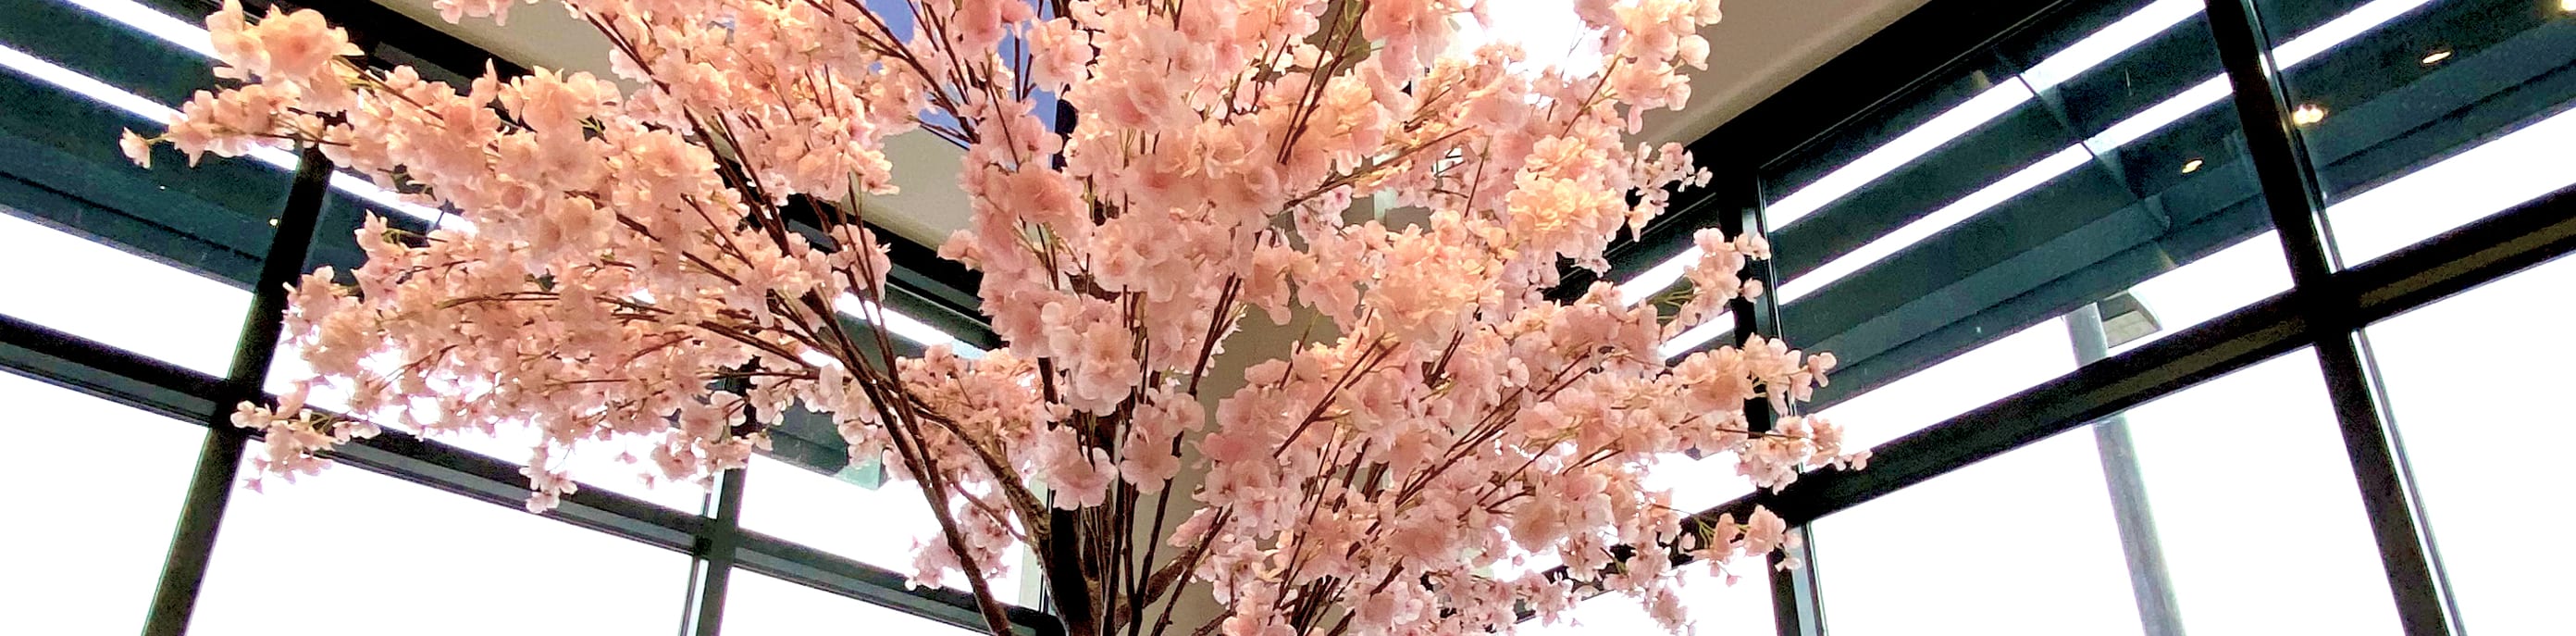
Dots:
pixel 2191 166
pixel 2438 55
pixel 2310 114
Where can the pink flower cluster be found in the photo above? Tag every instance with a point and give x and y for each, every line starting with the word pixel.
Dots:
pixel 293 438
pixel 628 269
pixel 1715 278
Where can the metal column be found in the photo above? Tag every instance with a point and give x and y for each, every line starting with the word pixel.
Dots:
pixel 2149 581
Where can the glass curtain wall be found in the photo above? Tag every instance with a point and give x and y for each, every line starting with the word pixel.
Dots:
pixel 2078 191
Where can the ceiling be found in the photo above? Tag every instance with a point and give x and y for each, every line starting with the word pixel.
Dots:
pixel 1761 46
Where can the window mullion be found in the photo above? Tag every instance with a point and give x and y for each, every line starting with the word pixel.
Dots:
pixel 716 549
pixel 184 570
pixel 1796 606
pixel 2296 202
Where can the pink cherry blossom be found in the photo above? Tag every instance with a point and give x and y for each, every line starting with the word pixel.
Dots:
pixel 136 148
pixel 672 263
pixel 1764 532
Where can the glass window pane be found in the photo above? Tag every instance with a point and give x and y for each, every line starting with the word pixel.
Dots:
pixel 88 550
pixel 325 555
pixel 877 525
pixel 2000 368
pixel 2274 542
pixel 758 605
pixel 1715 608
pixel 2232 277
pixel 2284 507
pixel 2481 180
pixel 2474 381
pixel 2091 156
pixel 1698 484
pixel 2427 115
pixel 2176 300
pixel 73 78
pixel 97 291
pixel 2019 544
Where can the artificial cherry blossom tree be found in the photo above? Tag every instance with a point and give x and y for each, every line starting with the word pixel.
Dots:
pixel 667 260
